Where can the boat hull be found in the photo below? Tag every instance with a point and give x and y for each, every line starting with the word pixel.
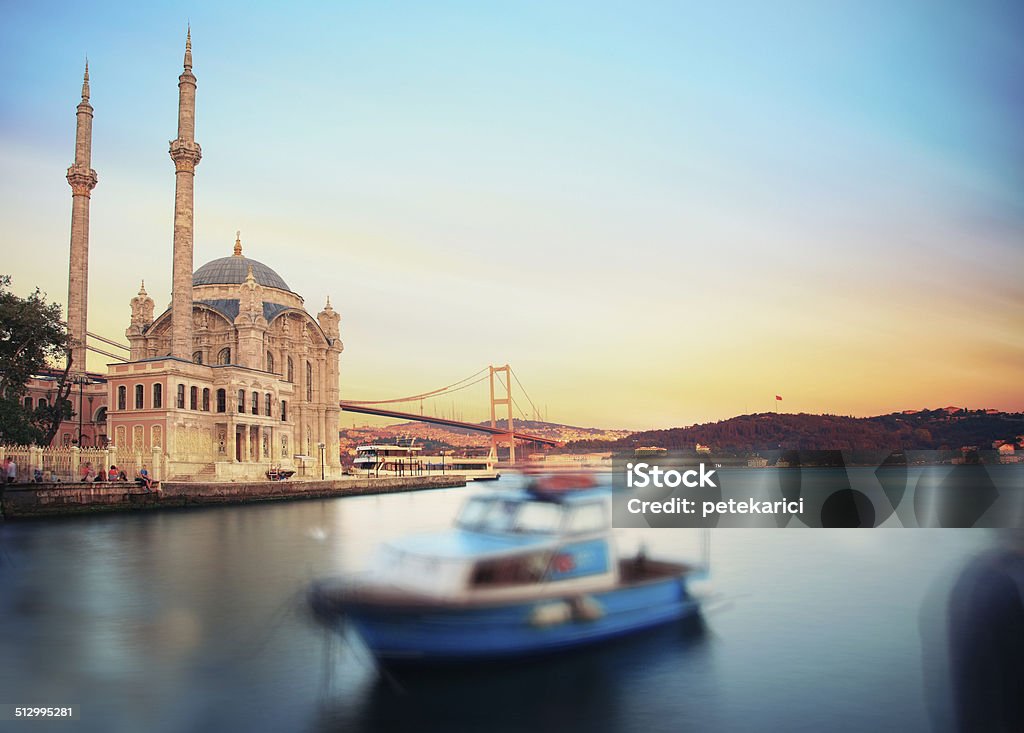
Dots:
pixel 418 634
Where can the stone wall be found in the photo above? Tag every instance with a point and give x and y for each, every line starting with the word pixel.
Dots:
pixel 44 500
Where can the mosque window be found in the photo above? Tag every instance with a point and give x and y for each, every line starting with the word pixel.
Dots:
pixel 266 404
pixel 284 412
pixel 241 400
pixel 193 398
pixel 43 403
pixel 309 382
pixel 222 400
pixel 197 357
pixel 139 396
pixel 270 362
pixel 291 370
pixel 206 400
pixel 158 396
pixel 122 398
pixel 255 403
pixel 224 356
pixel 181 396
pixel 28 403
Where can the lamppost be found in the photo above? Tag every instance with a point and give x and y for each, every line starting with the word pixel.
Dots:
pixel 323 452
pixel 80 378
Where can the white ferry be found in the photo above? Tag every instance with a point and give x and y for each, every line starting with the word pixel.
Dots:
pixel 405 458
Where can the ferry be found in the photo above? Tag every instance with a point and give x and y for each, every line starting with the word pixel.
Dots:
pixel 405 458
pixel 523 572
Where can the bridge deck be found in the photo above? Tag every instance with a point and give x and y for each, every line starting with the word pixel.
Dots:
pixel 412 416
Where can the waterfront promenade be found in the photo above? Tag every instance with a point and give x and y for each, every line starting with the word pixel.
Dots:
pixel 24 501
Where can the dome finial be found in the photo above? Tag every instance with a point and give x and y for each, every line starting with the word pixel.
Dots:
pixel 238 243
pixel 142 288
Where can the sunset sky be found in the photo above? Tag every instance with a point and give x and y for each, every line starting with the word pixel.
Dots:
pixel 658 213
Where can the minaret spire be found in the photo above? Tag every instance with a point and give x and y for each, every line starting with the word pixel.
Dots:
pixel 186 154
pixel 82 179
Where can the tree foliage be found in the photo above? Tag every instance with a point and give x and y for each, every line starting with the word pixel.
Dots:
pixel 33 338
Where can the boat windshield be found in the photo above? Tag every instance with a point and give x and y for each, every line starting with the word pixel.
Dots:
pixel 490 514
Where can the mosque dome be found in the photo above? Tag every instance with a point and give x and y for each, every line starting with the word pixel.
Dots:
pixel 233 271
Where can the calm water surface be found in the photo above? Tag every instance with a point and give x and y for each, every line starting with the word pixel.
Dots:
pixel 193 621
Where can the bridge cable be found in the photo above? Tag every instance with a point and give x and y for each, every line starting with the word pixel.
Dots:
pixel 431 393
pixel 525 393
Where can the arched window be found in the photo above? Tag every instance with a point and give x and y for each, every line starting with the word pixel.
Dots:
pixel 101 415
pixel 193 398
pixel 42 402
pixel 266 404
pixel 255 403
pixel 284 412
pixel 197 357
pixel 181 396
pixel 158 396
pixel 224 356
pixel 28 403
pixel 309 382
pixel 122 397
pixel 222 400
pixel 241 400
pixel 139 395
pixel 270 362
pixel 206 400
pixel 291 370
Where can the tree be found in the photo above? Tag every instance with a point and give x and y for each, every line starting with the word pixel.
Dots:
pixel 33 338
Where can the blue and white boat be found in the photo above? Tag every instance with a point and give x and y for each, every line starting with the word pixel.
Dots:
pixel 522 573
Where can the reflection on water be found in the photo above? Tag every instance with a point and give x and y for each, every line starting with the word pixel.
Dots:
pixel 193 620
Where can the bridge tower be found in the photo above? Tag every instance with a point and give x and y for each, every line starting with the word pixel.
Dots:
pixel 507 401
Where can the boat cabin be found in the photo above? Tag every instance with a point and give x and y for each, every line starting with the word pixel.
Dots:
pixel 507 542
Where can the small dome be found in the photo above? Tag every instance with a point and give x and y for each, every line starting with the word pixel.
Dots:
pixel 233 271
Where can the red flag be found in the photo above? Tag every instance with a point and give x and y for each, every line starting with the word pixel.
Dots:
pixel 778 398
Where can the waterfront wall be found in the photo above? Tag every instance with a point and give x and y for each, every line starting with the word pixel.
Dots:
pixel 21 501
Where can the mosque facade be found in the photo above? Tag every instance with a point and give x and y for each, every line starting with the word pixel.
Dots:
pixel 235 376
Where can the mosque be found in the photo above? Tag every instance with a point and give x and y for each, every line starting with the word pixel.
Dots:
pixel 234 377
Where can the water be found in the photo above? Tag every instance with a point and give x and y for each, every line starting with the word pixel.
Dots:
pixel 193 620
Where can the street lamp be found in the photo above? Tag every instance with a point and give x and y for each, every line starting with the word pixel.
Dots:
pixel 81 379
pixel 323 452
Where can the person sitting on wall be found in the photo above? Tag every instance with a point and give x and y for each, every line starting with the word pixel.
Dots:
pixel 101 474
pixel 83 471
pixel 143 479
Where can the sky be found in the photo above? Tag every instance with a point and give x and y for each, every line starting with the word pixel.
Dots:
pixel 658 213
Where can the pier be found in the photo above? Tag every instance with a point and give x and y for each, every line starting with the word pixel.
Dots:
pixel 26 501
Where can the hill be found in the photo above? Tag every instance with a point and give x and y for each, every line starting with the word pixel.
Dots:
pixel 913 430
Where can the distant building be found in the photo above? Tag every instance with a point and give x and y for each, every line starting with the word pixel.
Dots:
pixel 756 461
pixel 649 451
pixel 703 448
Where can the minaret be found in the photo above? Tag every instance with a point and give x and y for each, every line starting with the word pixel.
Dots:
pixel 82 179
pixel 185 153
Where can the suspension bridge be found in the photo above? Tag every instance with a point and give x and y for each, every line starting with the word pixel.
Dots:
pixel 499 379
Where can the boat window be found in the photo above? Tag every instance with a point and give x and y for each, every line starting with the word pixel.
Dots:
pixel 473 513
pixel 587 518
pixel 516 570
pixel 539 516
